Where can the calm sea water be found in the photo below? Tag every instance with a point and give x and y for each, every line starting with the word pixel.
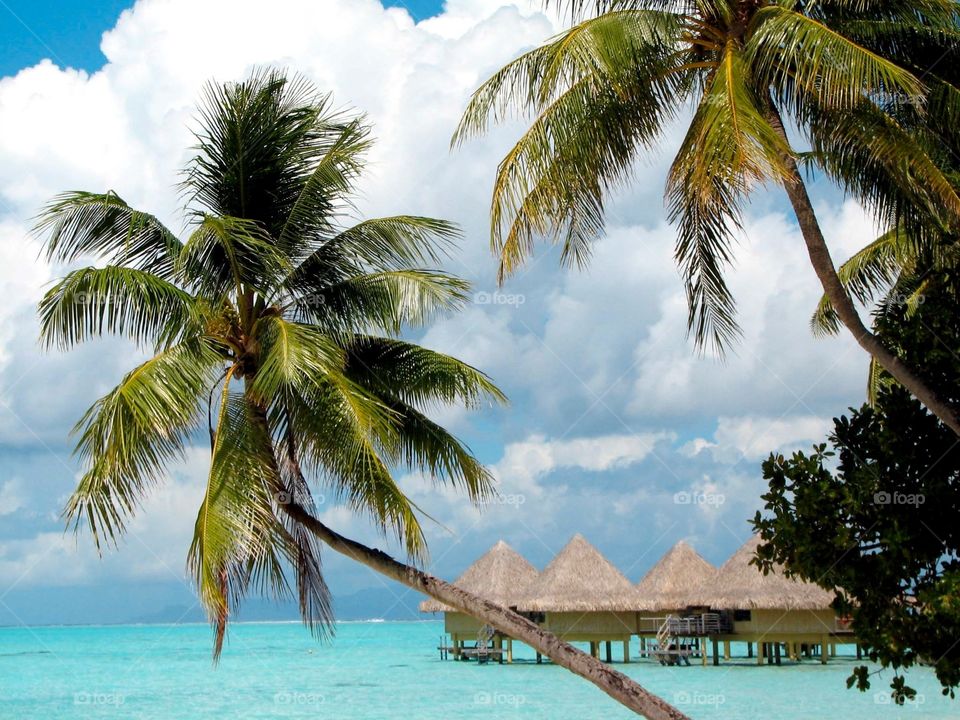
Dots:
pixel 385 670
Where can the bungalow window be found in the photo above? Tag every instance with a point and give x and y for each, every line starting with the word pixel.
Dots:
pixel 741 616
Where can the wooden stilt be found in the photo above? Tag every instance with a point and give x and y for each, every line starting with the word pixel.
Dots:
pixel 498 644
pixel 539 658
pixel 703 651
pixel 510 650
pixel 776 652
pixel 833 649
pixel 626 649
pixel 595 649
pixel 726 649
pixel 760 649
pixel 716 651
pixel 823 650
pixel 749 649
pixel 608 651
pixel 643 647
pixel 768 650
pixel 859 652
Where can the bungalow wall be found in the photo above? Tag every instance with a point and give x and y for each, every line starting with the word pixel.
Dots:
pixel 584 626
pixel 799 624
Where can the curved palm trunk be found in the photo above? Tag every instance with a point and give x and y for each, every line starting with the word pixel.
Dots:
pixel 833 288
pixel 615 684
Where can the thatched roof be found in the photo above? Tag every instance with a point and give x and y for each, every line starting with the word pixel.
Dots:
pixel 579 579
pixel 739 585
pixel 500 575
pixel 672 582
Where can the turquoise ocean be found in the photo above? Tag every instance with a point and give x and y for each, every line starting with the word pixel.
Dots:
pixel 380 670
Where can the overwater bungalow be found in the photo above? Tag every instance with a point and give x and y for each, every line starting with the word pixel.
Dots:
pixel 671 585
pixel 669 590
pixel 582 597
pixel 681 605
pixel 499 575
pixel 771 609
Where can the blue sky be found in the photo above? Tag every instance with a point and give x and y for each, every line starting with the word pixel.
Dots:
pixel 68 31
pixel 615 421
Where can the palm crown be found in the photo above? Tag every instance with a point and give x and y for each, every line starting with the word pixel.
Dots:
pixel 853 74
pixel 276 326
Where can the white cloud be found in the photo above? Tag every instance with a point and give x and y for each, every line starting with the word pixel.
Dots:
pixel 523 463
pixel 11 497
pixel 756 437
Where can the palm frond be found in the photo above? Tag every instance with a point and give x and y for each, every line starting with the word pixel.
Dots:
pixel 387 301
pixel 729 147
pixel 130 435
pixel 420 444
pixel 339 443
pixel 869 271
pixel 226 254
pixel 260 141
pixel 388 243
pixel 235 523
pixel 102 225
pixel 890 168
pixel 793 51
pixel 322 193
pixel 416 375
pixel 593 117
pixel 599 48
pixel 293 355
pixel 133 303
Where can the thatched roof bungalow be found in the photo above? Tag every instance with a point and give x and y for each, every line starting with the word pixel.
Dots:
pixel 772 608
pixel 739 585
pixel 671 585
pixel 500 575
pixel 579 579
pixel 581 596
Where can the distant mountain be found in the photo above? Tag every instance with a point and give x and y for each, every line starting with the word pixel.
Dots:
pixel 173 603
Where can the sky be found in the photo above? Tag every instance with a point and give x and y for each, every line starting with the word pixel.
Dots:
pixel 617 428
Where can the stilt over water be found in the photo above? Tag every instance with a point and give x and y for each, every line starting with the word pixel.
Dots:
pixel 683 608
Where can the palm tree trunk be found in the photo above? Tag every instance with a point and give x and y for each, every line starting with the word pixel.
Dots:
pixel 615 684
pixel 842 303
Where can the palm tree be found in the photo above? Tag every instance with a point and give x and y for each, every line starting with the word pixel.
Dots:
pixel 275 327
pixel 600 93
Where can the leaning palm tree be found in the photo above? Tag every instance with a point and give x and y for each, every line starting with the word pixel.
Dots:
pixel 273 329
pixel 600 94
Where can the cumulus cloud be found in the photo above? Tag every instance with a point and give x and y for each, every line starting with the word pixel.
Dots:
pixel 525 462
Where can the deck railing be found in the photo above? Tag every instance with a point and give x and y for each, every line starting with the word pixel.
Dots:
pixel 699 625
